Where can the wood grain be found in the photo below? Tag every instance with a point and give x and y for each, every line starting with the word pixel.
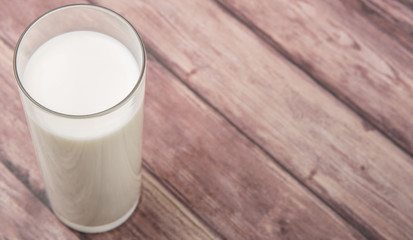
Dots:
pixel 17 15
pixel 394 18
pixel 274 214
pixel 23 216
pixel 221 175
pixel 227 129
pixel 14 18
pixel 14 131
pixel 239 192
pixel 341 47
pixel 330 149
pixel 159 216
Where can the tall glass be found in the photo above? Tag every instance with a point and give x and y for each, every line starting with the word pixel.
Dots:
pixel 91 164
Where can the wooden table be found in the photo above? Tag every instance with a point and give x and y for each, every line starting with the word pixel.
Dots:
pixel 271 119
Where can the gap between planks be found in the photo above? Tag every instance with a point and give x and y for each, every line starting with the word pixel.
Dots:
pixel 237 128
pixel 368 233
pixel 205 223
pixel 383 20
pixel 364 230
pixel 267 39
pixel 42 197
pixel 165 59
pixel 179 198
pixel 151 180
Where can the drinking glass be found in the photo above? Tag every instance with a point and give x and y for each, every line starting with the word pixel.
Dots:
pixel 91 164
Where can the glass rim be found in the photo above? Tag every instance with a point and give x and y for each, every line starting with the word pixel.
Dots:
pixel 81 116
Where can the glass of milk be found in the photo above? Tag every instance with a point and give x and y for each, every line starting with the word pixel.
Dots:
pixel 81 76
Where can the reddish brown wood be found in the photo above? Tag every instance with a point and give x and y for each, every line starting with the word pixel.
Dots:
pixel 17 15
pixel 14 142
pixel 222 191
pixel 357 171
pixel 220 174
pixel 23 216
pixel 350 49
pixel 159 216
pixel 290 226
pixel 394 18
pixel 215 153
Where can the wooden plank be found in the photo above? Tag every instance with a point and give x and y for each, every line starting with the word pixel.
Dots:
pixel 272 203
pixel 17 15
pixel 357 171
pixel 362 65
pixel 14 141
pixel 220 174
pixel 23 216
pixel 394 18
pixel 159 216
pixel 240 192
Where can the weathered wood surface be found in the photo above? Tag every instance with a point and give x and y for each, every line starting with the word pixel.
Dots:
pixel 159 216
pixel 240 143
pixel 355 169
pixel 220 174
pixel 23 216
pixel 326 222
pixel 350 47
pixel 394 18
pixel 241 205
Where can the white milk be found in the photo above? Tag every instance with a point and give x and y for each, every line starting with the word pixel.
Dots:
pixel 91 167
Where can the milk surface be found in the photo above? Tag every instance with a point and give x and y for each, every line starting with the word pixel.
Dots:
pixel 91 167
pixel 80 73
